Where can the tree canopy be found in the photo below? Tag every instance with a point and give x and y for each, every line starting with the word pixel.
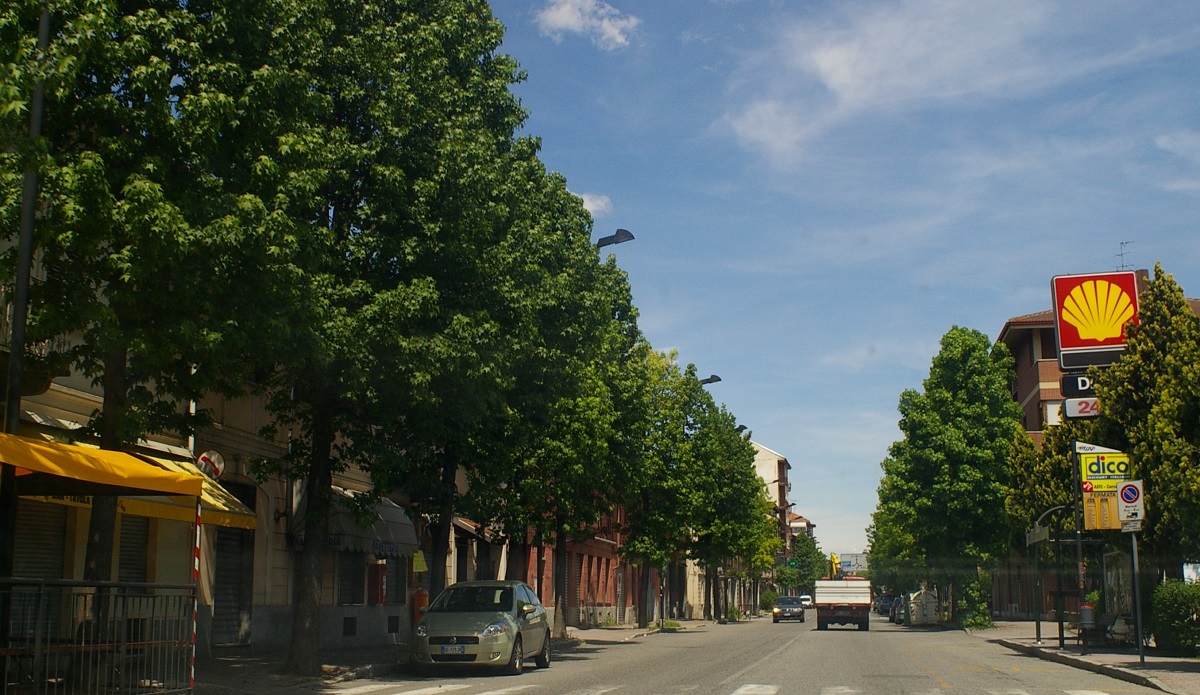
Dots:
pixel 941 500
pixel 1151 410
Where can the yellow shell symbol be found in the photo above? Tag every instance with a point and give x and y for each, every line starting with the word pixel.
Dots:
pixel 1098 309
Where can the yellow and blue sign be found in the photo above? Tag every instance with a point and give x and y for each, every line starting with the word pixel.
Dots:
pixel 1103 472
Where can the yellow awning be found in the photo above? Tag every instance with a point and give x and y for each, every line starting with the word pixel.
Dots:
pixel 51 468
pixel 217 506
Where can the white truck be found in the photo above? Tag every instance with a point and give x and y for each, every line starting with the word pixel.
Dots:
pixel 843 602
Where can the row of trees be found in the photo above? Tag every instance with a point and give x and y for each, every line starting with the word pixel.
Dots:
pixel 966 482
pixel 332 203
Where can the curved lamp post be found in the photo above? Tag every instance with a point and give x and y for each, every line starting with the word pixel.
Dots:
pixel 619 237
pixel 712 379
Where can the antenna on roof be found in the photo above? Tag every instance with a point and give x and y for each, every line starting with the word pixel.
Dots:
pixel 1121 255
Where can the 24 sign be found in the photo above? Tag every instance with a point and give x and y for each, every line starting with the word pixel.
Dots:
pixel 1074 408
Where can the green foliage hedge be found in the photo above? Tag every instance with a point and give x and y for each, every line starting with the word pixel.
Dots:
pixel 766 600
pixel 1175 616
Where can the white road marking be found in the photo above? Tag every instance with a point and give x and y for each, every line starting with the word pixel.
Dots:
pixel 361 689
pixel 753 689
pixel 511 689
pixel 838 690
pixel 434 690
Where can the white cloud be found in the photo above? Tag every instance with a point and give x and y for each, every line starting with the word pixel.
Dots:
pixel 894 59
pixel 1185 144
pixel 605 25
pixel 598 205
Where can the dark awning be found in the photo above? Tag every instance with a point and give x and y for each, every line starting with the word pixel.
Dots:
pixel 390 534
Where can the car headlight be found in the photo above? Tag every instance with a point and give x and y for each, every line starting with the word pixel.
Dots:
pixel 496 628
pixel 422 631
pixel 775 609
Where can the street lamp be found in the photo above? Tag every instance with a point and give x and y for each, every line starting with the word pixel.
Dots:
pixel 739 429
pixel 619 237
pixel 712 379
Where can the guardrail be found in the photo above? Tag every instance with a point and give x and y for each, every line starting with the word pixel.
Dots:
pixel 84 638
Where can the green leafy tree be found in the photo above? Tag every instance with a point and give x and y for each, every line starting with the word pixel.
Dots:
pixel 1151 410
pixel 575 414
pixel 401 130
pixel 161 262
pixel 734 525
pixel 656 525
pixel 1043 478
pixel 810 562
pixel 945 482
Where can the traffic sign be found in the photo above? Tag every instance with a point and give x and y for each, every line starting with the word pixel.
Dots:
pixel 1074 408
pixel 1103 472
pixel 1077 386
pixel 1130 506
pixel 1090 315
pixel 1100 511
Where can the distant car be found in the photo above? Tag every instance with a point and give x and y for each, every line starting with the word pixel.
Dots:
pixel 484 623
pixel 787 608
pixel 806 601
pixel 883 604
pixel 896 614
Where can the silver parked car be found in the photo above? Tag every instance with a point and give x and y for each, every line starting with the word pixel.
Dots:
pixel 485 623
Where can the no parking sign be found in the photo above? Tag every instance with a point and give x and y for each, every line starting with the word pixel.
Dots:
pixel 1130 505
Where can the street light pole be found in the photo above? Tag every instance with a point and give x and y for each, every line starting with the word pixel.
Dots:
pixel 712 379
pixel 619 237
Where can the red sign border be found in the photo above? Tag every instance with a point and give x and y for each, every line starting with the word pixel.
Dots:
pixel 1078 349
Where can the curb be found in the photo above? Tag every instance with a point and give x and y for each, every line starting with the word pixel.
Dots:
pixel 1103 669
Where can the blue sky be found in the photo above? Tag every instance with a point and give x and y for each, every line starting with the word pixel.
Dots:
pixel 820 190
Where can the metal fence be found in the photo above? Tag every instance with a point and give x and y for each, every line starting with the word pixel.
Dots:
pixel 95 637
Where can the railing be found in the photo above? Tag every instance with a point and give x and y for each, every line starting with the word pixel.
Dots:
pixel 81 638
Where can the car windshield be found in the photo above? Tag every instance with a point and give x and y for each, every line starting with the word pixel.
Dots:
pixel 788 601
pixel 473 599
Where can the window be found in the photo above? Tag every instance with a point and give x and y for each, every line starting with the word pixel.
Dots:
pixel 132 560
pixel 352 579
pixel 396 582
pixel 1053 413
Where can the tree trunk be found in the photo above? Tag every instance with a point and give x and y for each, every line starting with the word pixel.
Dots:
pixel 303 657
pixel 541 565
pixel 102 525
pixel 441 528
pixel 644 589
pixel 560 581
pixel 709 592
pixel 518 558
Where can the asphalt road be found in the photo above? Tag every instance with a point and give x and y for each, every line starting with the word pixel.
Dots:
pixel 761 658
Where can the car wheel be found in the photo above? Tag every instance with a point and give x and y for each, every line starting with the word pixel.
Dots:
pixel 802 618
pixel 516 662
pixel 774 620
pixel 543 660
pixel 864 626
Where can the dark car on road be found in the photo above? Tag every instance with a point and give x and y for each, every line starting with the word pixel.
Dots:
pixel 787 608
pixel 883 604
pixel 896 614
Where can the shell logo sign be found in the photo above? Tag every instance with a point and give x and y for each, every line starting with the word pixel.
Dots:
pixel 1090 315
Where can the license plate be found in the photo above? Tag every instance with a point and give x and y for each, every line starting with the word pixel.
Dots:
pixel 453 649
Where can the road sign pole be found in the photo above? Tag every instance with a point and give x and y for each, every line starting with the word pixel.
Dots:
pixel 1137 602
pixel 1037 596
pixel 1078 475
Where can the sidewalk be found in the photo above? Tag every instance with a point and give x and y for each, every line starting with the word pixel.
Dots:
pixel 1179 676
pixel 245 673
